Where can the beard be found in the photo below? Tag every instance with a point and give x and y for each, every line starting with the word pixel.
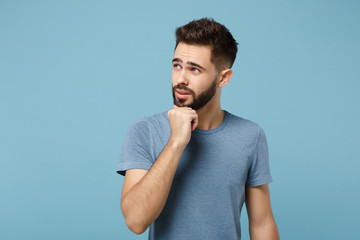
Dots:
pixel 198 101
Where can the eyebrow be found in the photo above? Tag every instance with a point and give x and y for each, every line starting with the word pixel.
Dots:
pixel 190 63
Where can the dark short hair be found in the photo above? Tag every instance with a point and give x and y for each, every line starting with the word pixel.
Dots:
pixel 207 32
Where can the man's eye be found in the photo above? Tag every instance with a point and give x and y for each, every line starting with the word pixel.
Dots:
pixel 177 66
pixel 195 70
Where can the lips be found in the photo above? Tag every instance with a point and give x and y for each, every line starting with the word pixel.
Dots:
pixel 182 94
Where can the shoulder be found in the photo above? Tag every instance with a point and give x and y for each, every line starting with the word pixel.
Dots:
pixel 243 125
pixel 244 130
pixel 150 123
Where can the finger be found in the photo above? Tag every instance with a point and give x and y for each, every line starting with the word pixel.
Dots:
pixel 194 123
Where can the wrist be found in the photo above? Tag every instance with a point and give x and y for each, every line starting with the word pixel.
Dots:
pixel 176 144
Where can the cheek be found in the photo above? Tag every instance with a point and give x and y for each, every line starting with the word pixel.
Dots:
pixel 203 84
pixel 173 78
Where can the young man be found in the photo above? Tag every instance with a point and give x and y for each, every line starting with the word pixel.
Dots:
pixel 189 170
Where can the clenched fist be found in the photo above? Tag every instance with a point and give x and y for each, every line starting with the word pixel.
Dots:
pixel 182 120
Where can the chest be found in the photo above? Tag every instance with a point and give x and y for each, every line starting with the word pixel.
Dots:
pixel 215 162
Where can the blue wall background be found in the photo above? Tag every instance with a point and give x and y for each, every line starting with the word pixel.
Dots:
pixel 75 74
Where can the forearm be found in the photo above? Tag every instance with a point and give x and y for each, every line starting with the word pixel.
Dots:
pixel 265 231
pixel 143 203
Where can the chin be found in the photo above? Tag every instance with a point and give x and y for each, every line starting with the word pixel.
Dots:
pixel 181 103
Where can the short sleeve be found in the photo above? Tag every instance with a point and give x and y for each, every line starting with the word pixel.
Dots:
pixel 259 171
pixel 135 152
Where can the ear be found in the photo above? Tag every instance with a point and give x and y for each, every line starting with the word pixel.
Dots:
pixel 225 76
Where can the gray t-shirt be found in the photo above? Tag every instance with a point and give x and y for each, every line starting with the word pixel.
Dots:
pixel 208 190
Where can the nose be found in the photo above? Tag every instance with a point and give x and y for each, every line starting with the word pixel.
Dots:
pixel 182 78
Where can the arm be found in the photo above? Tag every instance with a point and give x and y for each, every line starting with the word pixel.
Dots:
pixel 261 221
pixel 145 192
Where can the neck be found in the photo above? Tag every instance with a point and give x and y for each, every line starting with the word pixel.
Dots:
pixel 210 116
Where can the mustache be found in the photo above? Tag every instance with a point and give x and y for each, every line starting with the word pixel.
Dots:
pixel 183 87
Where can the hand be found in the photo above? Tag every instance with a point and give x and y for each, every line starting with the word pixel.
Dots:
pixel 182 121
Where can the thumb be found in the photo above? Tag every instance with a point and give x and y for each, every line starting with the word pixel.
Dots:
pixel 194 123
pixel 175 107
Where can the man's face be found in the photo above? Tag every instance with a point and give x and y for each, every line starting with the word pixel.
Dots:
pixel 194 78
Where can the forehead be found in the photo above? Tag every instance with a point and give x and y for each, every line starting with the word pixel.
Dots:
pixel 194 53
